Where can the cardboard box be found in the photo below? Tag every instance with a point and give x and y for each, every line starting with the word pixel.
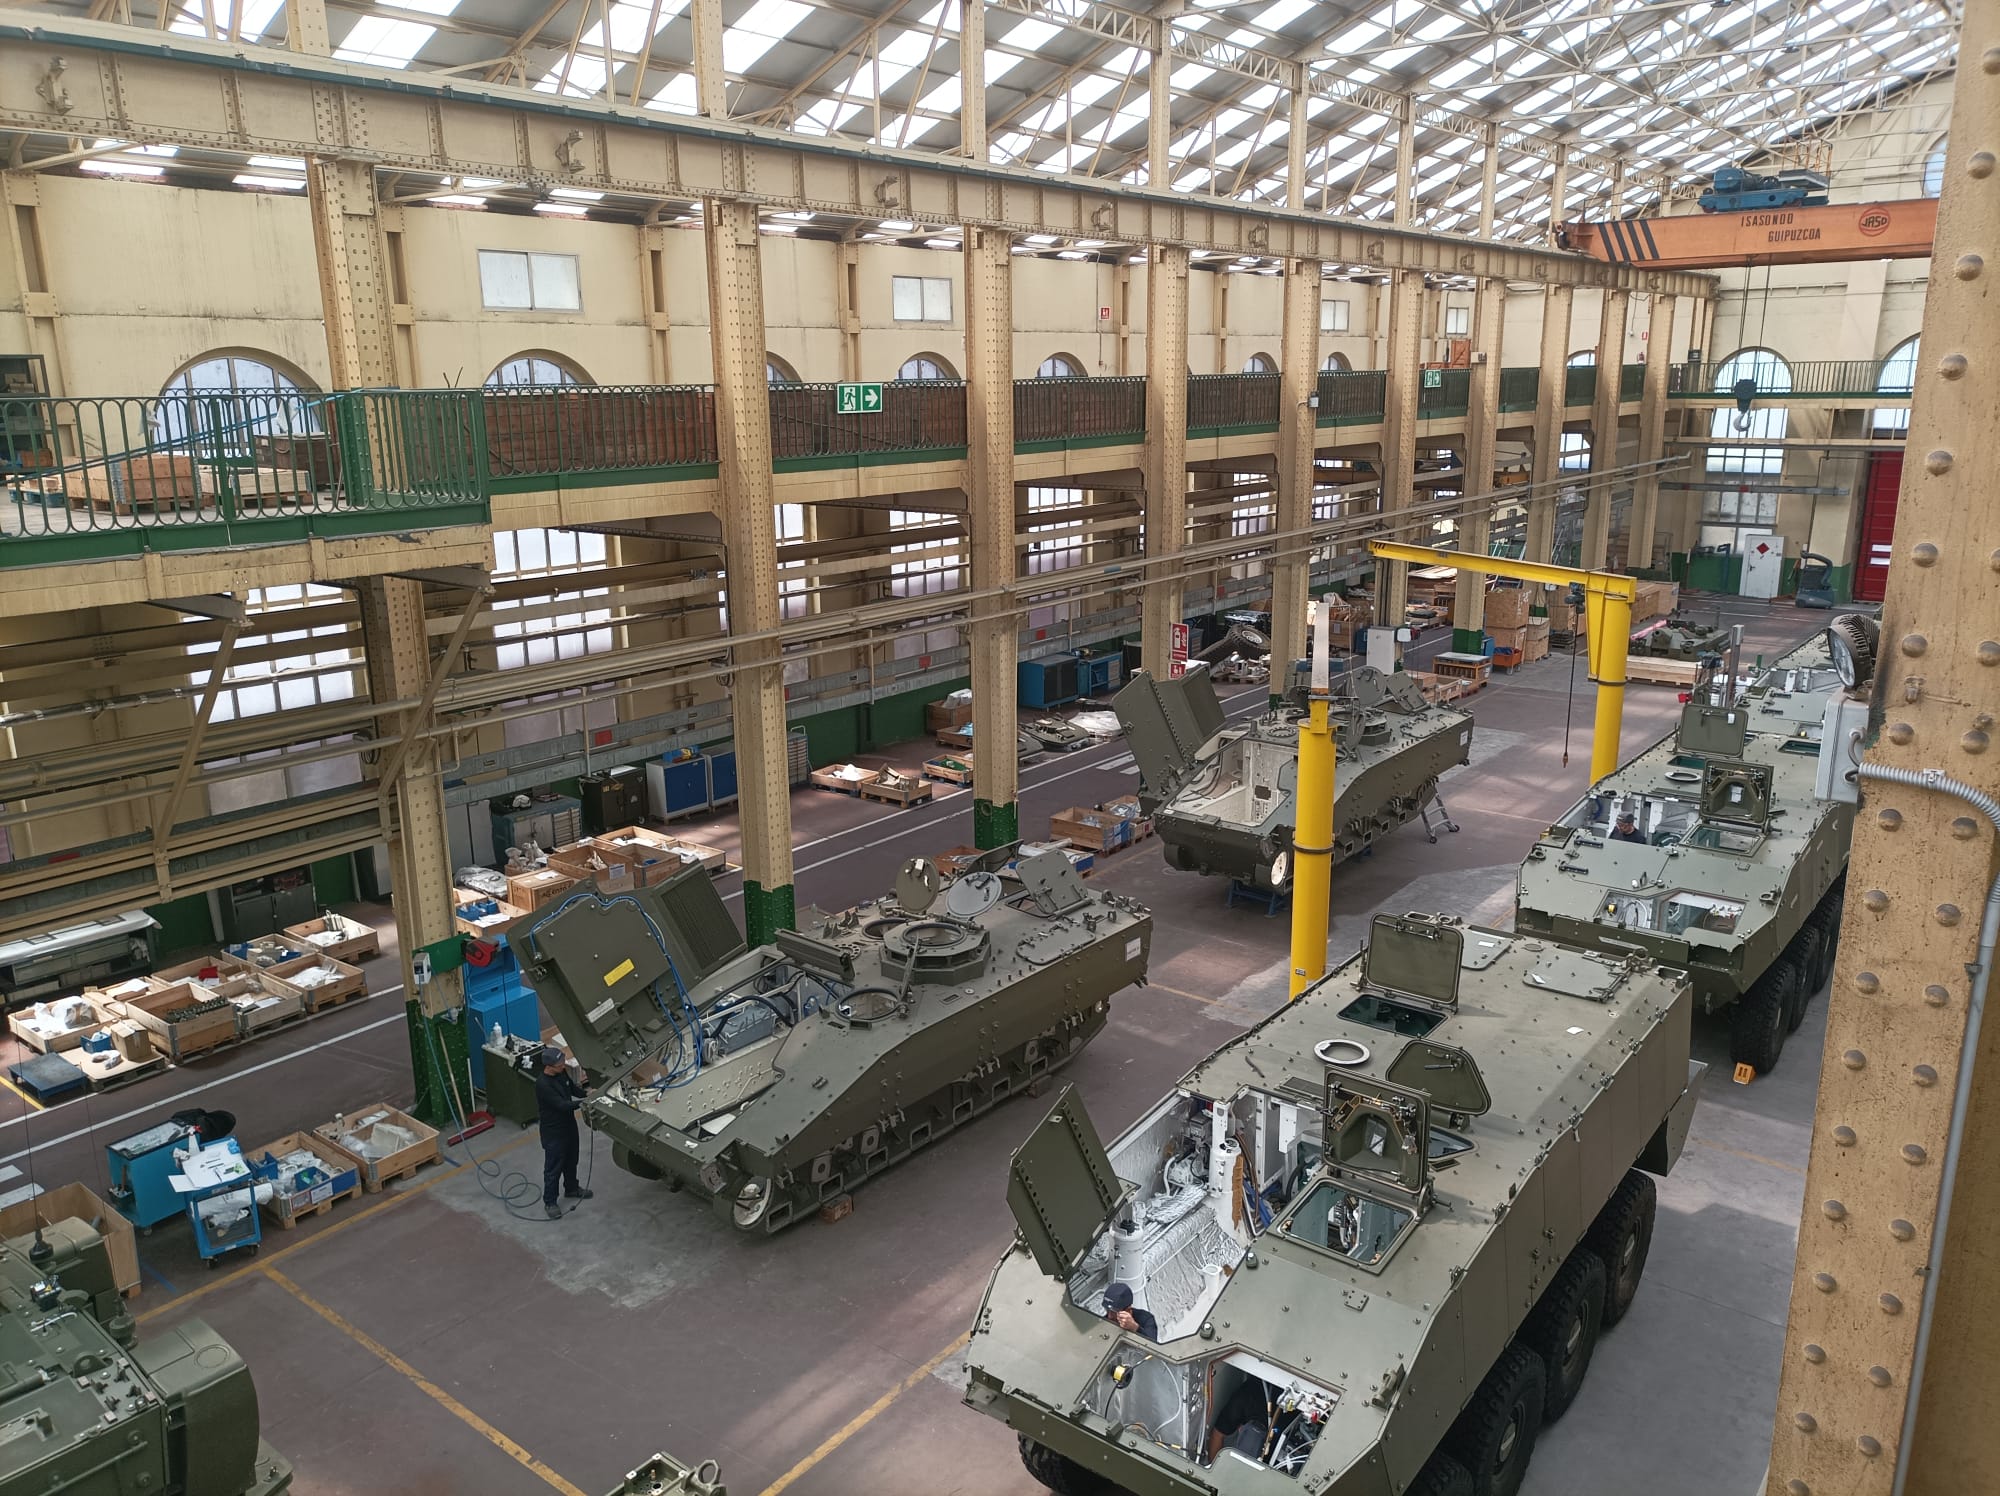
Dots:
pixel 1085 826
pixel 76 1200
pixel 536 890
pixel 132 1040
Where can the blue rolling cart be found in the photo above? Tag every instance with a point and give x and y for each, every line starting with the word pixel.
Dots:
pixel 223 1211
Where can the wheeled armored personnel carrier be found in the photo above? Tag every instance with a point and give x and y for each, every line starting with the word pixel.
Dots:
pixel 1222 797
pixel 91 1407
pixel 1375 1238
pixel 769 1081
pixel 1734 862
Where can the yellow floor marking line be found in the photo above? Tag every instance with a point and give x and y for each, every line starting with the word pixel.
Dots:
pixel 22 1094
pixel 1194 997
pixel 425 1385
pixel 365 1213
pixel 865 1417
pixel 1755 1158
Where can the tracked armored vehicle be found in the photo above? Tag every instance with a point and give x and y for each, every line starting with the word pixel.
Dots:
pixel 1222 798
pixel 772 1080
pixel 91 1407
pixel 663 1475
pixel 1376 1236
pixel 1738 866
pixel 1681 638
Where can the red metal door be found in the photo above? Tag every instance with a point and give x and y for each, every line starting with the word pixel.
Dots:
pixel 1878 526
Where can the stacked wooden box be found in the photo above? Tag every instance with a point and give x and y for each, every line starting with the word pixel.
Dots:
pixel 940 715
pixel 1346 618
pixel 1654 600
pixel 1433 591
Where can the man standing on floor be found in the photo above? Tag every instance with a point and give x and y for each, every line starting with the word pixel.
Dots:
pixel 558 1098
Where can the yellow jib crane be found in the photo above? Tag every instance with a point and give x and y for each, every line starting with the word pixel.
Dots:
pixel 1312 829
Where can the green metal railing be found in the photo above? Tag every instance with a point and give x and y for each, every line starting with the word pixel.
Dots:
pixel 1631 381
pixel 1520 388
pixel 605 433
pixel 1450 396
pixel 1579 384
pixel 1222 404
pixel 96 477
pixel 1051 413
pixel 918 416
pixel 1855 378
pixel 1352 397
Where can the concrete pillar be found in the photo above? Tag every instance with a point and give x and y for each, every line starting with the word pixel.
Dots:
pixel 749 532
pixel 1611 317
pixel 989 494
pixel 1399 435
pixel 1652 432
pixel 1166 445
pixel 1551 405
pixel 1298 432
pixel 972 83
pixel 1482 426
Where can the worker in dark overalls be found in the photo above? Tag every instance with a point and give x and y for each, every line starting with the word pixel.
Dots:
pixel 557 1100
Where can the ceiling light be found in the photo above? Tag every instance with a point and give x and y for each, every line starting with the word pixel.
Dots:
pixel 122 169
pixel 269 184
pixel 577 194
pixel 562 210
pixel 279 163
pixel 456 200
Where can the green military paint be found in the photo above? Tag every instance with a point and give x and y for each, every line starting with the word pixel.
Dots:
pixel 766 911
pixel 995 825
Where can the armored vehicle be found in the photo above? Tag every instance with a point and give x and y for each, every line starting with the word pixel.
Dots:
pixel 1681 638
pixel 663 1475
pixel 772 1080
pixel 91 1407
pixel 1221 797
pixel 1734 863
pixel 1374 1238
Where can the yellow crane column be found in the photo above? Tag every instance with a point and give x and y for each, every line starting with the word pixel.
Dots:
pixel 1312 830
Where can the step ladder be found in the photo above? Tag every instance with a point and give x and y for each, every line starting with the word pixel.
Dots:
pixel 1435 815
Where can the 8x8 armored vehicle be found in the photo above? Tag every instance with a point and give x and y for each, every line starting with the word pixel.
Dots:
pixel 772 1080
pixel 1222 798
pixel 1378 1234
pixel 1734 864
pixel 92 1408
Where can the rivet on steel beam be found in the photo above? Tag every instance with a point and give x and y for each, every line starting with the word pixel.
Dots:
pixel 1946 914
pixel 1915 644
pixel 1980 166
pixel 1915 1153
pixel 1936 996
pixel 1902 1230
pixel 1805 1423
pixel 1890 1304
pixel 1964 828
pixel 1989 61
pixel 1834 1210
pixel 1869 1445
pixel 1825 1282
pixel 1889 818
pixel 1924 553
pixel 1797 1488
pixel 1879 1375
pixel 1974 741
pixel 1867 981
pixel 1815 1354
pixel 1989 652
pixel 1844 1136
pixel 1854 1059
pixel 1968 267
pixel 1952 366
pixel 1875 900
pixel 1937 462
pixel 1923 1075
pixel 1899 733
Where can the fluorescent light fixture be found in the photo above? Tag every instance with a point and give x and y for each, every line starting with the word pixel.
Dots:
pixel 279 163
pixel 942 244
pixel 121 169
pixel 896 226
pixel 269 184
pixel 1041 238
pixel 577 194
pixel 562 210
pixel 456 200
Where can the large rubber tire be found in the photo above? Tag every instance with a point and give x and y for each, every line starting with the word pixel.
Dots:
pixel 1562 1329
pixel 1621 1236
pixel 1441 1476
pixel 1060 1474
pixel 1757 1024
pixel 1494 1437
pixel 1805 954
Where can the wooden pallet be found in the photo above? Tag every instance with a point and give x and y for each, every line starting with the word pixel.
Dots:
pixel 386 1177
pixel 1657 670
pixel 945 773
pixel 322 1005
pixel 912 792
pixel 1442 688
pixel 826 779
pixel 124 1075
pixel 291 1222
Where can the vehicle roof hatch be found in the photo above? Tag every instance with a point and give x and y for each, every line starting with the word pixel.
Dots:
pixel 1166 722
pixel 1737 793
pixel 1414 955
pixel 1445 1073
pixel 1061 1187
pixel 1378 1131
pixel 1713 731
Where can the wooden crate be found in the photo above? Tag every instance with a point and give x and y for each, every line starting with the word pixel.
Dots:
pixel 486 927
pixel 955 737
pixel 898 791
pixel 843 784
pixel 343 1168
pixel 593 864
pixel 340 983
pixel 1469 668
pixel 950 768
pixel 538 889
pixel 181 1039
pixel 1658 670
pixel 1440 688
pixel 940 715
pixel 66 1038
pixel 77 1202
pixel 656 856
pixel 1088 827
pixel 1506 608
pixel 338 936
pixel 954 860
pixel 125 485
pixel 399 1164
pixel 272 1003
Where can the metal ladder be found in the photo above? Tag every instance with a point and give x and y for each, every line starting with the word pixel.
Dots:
pixel 1435 815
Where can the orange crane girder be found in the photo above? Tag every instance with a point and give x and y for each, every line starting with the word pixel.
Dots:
pixel 1900 230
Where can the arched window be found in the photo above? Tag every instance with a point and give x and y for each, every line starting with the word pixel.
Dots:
pixel 536 369
pixel 1934 168
pixel 1743 429
pixel 1060 366
pixel 777 371
pixel 926 366
pixel 1583 360
pixel 1898 376
pixel 1336 363
pixel 233 395
pixel 1260 363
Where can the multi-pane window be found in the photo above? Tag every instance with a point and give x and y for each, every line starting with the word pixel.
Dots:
pixel 1333 314
pixel 1059 366
pixel 1260 363
pixel 1898 376
pixel 920 298
pixel 228 400
pixel 1054 544
pixel 1934 169
pixel 1458 321
pixel 794 589
pixel 1743 429
pixel 512 280
pixel 777 371
pixel 534 369
pixel 923 568
pixel 925 366
pixel 581 627
pixel 1575 454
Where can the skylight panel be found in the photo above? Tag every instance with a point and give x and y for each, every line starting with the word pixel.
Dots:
pixel 1188 74
pixel 1089 89
pixel 427 7
pixel 386 43
pixel 1438 29
pixel 585 77
pixel 1277 17
pixel 999 65
pixel 1262 98
pixel 1356 37
pixel 257 18
pixel 1030 35
pixel 945 97
pixel 759 29
pixel 677 97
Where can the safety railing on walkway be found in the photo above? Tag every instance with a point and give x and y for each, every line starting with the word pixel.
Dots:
pixel 1443 393
pixel 1853 378
pixel 1054 413
pixel 103 476
pixel 1230 404
pixel 919 418
pixel 610 433
pixel 1520 388
pixel 1351 397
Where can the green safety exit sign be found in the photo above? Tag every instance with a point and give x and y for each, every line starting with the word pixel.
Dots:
pixel 859 399
pixel 1433 380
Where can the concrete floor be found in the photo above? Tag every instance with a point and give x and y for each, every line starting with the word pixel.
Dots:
pixel 428 1341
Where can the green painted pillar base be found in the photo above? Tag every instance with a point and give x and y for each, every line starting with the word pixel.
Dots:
pixel 438 1061
pixel 995 825
pixel 766 911
pixel 1467 641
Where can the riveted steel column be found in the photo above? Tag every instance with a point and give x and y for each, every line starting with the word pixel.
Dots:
pixel 1399 437
pixel 1295 142
pixel 305 28
pixel 1604 427
pixel 1482 426
pixel 1166 445
pixel 1298 431
pixel 1551 405
pixel 989 495
pixel 749 530
pixel 972 83
pixel 1159 111
pixel 1891 1364
pixel 353 273
pixel 711 93
pixel 1652 432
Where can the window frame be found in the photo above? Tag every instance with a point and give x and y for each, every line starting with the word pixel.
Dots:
pixel 929 290
pixel 1336 314
pixel 534 303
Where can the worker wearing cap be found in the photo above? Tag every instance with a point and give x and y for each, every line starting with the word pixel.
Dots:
pixel 1627 828
pixel 1119 1309
pixel 557 1099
